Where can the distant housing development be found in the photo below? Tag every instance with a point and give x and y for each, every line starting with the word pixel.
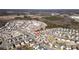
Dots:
pixel 75 17
pixel 19 33
pixel 39 29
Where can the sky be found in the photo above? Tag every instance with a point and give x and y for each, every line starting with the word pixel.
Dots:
pixel 39 4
